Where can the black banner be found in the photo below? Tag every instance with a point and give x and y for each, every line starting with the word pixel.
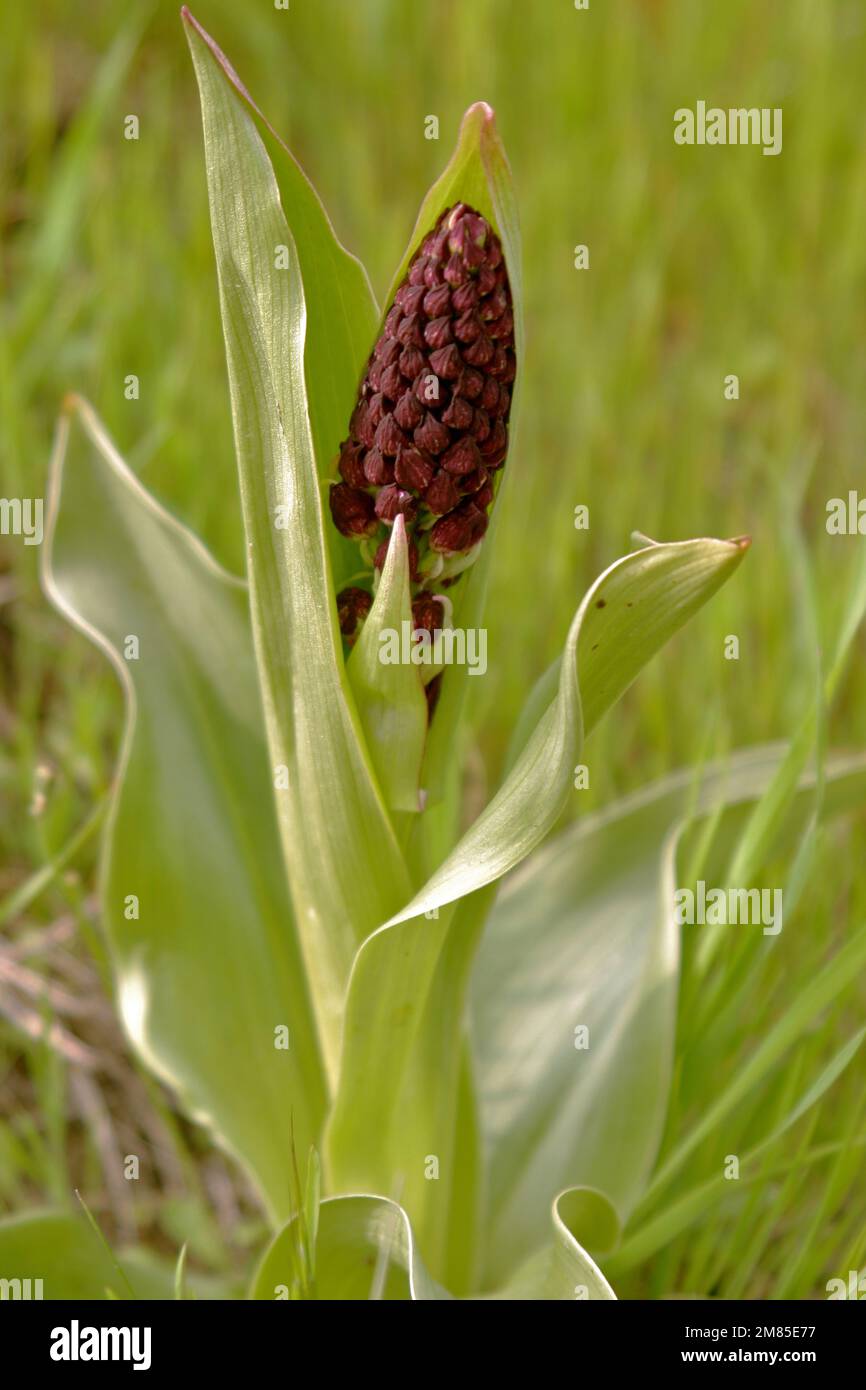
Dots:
pixel 66 1339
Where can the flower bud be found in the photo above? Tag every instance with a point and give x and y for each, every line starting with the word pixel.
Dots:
pixel 413 469
pixel 353 511
pixel 460 530
pixel 378 471
pixel 432 435
pixel 353 605
pixel 428 613
pixel 395 501
pixel 442 495
pixel 352 464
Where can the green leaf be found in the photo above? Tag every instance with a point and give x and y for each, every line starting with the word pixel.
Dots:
pixel 345 868
pixel 404 1017
pixel 62 1251
pixel 390 696
pixel 366 1249
pixel 563 1270
pixel 197 914
pixel 409 1027
pixel 341 314
pixel 630 612
pixel 583 935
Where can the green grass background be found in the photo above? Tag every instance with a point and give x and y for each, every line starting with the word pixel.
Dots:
pixel 704 262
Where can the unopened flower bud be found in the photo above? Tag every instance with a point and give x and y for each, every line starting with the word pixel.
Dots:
pixel 413 469
pixel 353 605
pixel 395 501
pixel 353 511
pixel 428 613
pixel 442 495
pixel 460 530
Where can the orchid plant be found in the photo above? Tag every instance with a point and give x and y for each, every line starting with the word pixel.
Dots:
pixel 442 1052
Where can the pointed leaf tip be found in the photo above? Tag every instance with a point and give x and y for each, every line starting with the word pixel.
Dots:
pixel 481 111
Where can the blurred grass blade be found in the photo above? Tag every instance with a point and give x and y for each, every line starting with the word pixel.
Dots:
pixel 404 1018
pixel 181 1292
pixel 120 1273
pixel 390 697
pixel 312 1205
pixel 345 868
pixel 71 184
pixel 196 909
pixel 816 995
pixel 27 892
pixel 756 841
pixel 852 617
pixel 677 1215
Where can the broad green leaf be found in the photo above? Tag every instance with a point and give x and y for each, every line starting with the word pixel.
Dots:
pixel 198 918
pixel 341 311
pixel 583 936
pixel 411 1028
pixel 345 868
pixel 390 695
pixel 60 1250
pixel 366 1249
pixel 404 1018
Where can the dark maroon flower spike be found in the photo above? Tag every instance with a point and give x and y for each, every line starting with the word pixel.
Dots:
pixel 429 430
